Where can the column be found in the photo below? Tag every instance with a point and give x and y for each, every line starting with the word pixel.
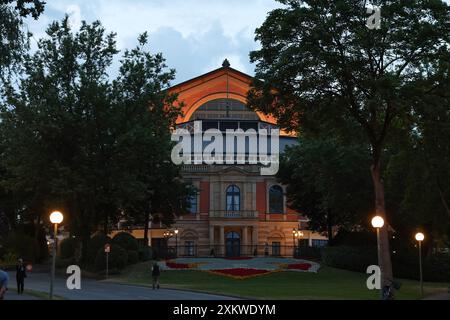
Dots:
pixel 310 239
pixel 244 241
pixel 254 238
pixel 222 241
pixel 211 238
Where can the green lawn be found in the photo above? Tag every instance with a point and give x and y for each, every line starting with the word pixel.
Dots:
pixel 328 283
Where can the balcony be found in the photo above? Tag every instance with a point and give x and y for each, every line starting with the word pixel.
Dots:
pixel 241 214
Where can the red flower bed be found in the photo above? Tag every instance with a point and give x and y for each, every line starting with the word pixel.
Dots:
pixel 299 266
pixel 240 273
pixel 174 265
pixel 239 258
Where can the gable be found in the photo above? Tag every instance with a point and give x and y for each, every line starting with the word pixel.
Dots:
pixel 221 83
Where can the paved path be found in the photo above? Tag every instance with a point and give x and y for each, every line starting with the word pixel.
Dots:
pixel 442 296
pixel 13 295
pixel 100 290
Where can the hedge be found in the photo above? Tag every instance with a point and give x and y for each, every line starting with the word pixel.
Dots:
pixel 133 257
pixel 350 258
pixel 67 248
pixel 405 262
pixel 21 245
pixel 145 254
pixel 126 241
pixel 96 243
pixel 118 258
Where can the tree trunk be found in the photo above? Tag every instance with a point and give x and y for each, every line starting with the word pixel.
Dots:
pixel 385 256
pixel 329 230
pixel 443 200
pixel 146 222
pixel 105 224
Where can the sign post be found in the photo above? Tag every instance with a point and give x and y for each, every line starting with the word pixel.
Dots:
pixel 107 251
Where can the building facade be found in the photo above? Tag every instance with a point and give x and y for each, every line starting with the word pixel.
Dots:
pixel 237 211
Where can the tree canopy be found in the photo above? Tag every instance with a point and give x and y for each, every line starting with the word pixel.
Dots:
pixel 318 57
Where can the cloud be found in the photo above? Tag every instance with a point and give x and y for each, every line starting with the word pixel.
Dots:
pixel 74 13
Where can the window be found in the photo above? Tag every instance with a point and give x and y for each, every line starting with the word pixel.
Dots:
pixel 276 204
pixel 276 248
pixel 319 243
pixel 192 200
pixel 233 198
pixel 189 248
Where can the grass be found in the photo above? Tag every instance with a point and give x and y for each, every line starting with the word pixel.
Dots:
pixel 328 283
pixel 41 295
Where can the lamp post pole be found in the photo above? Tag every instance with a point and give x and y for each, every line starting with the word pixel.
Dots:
pixel 56 218
pixel 419 237
pixel 377 223
pixel 294 235
pixel 176 243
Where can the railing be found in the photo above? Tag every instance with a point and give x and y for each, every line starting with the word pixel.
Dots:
pixel 233 214
pixel 231 251
pixel 195 168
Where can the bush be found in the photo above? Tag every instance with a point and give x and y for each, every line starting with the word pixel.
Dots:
pixel 96 243
pixel 22 245
pixel 133 257
pixel 117 259
pixel 126 241
pixel 350 258
pixel 435 268
pixel 145 254
pixel 67 248
pixel 64 262
pixel 405 263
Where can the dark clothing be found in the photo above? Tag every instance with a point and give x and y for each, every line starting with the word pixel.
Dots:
pixel 156 271
pixel 155 275
pixel 21 274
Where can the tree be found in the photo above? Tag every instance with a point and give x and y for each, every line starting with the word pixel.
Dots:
pixel 148 113
pixel 318 56
pixel 99 150
pixel 13 41
pixel 327 182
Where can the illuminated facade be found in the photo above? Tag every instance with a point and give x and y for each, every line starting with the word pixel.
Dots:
pixel 237 211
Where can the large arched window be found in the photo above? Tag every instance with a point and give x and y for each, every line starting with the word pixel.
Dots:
pixel 233 198
pixel 276 204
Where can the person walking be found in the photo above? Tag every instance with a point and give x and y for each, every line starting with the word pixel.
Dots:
pixel 21 274
pixel 156 272
pixel 3 283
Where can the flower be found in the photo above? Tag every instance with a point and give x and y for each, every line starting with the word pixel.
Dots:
pixel 299 266
pixel 241 273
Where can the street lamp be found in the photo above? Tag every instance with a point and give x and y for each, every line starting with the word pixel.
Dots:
pixel 419 237
pixel 294 236
pixel 176 242
pixel 56 218
pixel 378 223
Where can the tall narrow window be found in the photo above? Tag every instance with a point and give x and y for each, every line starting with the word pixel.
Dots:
pixel 193 204
pixel 276 199
pixel 233 198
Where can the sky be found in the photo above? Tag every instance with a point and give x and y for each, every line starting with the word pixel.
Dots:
pixel 194 36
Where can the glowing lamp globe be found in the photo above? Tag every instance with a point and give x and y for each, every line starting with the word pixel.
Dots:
pixel 377 222
pixel 420 236
pixel 56 217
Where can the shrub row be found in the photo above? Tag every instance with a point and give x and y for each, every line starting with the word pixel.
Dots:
pixel 405 262
pixel 125 250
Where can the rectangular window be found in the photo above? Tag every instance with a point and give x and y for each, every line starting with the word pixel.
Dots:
pixel 189 248
pixel 319 243
pixel 193 205
pixel 276 248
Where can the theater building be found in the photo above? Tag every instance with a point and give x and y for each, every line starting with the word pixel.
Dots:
pixel 237 210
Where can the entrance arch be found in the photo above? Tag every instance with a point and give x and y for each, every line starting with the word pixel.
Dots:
pixel 233 244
